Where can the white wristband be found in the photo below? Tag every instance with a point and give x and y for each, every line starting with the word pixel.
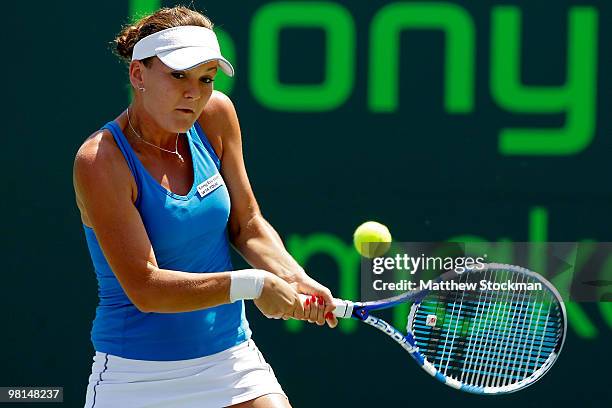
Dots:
pixel 246 284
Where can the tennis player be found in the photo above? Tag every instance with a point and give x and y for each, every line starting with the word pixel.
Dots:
pixel 163 192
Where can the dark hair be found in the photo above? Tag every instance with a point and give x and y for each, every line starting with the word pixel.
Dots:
pixel 160 20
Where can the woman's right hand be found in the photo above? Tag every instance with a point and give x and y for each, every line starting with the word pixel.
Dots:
pixel 279 299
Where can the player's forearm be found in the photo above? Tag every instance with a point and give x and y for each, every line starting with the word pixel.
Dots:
pixel 168 291
pixel 261 246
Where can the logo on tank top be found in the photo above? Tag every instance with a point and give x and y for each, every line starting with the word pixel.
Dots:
pixel 210 185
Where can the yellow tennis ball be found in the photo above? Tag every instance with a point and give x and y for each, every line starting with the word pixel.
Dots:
pixel 372 239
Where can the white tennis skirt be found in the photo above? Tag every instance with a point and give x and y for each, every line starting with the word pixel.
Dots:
pixel 223 379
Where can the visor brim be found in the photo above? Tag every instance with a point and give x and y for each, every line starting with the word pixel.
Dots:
pixel 190 57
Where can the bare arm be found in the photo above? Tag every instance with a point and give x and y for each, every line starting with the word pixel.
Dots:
pixel 259 243
pixel 105 189
pixel 250 233
pixel 252 236
pixel 105 192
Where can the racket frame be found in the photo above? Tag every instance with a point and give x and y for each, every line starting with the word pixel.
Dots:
pixel 361 311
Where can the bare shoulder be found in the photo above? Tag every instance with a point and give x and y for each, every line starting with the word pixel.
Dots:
pixel 99 168
pixel 99 143
pixel 219 116
pixel 220 122
pixel 98 156
pixel 219 106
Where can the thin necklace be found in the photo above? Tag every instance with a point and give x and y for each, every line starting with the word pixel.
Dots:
pixel 151 144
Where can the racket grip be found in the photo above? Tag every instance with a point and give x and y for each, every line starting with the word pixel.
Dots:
pixel 343 308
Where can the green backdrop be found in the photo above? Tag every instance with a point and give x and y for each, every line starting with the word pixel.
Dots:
pixel 440 119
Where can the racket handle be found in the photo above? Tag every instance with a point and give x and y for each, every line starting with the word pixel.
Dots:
pixel 344 308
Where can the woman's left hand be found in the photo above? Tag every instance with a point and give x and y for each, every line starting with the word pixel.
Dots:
pixel 319 306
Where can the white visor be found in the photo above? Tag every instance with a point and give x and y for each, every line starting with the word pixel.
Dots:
pixel 182 48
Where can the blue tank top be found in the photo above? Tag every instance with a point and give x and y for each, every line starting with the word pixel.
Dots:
pixel 188 233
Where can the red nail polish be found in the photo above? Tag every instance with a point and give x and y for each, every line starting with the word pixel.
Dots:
pixel 320 300
pixel 313 298
pixel 307 301
pixel 329 315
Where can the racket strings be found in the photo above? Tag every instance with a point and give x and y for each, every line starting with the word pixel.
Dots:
pixel 513 341
pixel 454 336
pixel 548 341
pixel 499 348
pixel 543 326
pixel 479 336
pixel 500 375
pixel 472 307
pixel 489 338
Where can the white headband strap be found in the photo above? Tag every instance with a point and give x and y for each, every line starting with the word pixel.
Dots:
pixel 182 48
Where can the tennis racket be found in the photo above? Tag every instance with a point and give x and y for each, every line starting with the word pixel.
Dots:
pixel 477 340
